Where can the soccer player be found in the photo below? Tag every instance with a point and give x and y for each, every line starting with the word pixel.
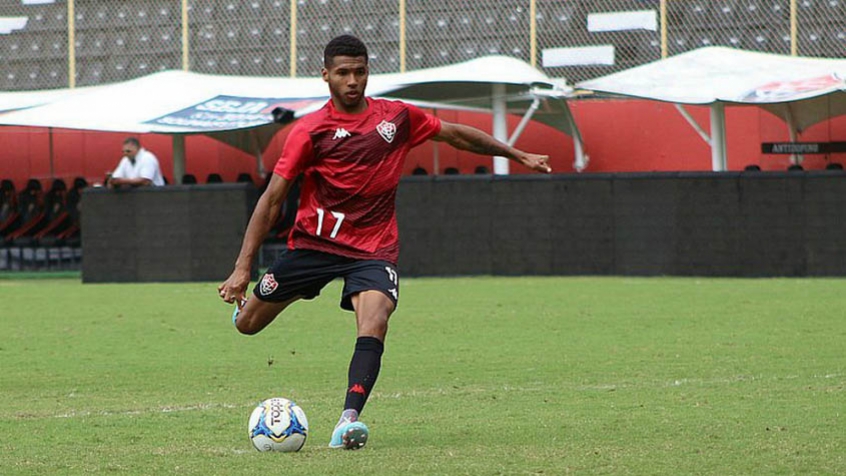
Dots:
pixel 351 155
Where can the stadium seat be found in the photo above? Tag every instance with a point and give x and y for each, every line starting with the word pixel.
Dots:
pixel 201 12
pixel 57 217
pixel 309 61
pixel 417 26
pixel 205 63
pixel 90 43
pixel 416 57
pixel 8 207
pixel 725 13
pixel 47 17
pixel 390 28
pixel 205 38
pixel 90 73
pixel 70 235
pixel 30 211
pixel 557 18
pixel 384 57
pixel 244 177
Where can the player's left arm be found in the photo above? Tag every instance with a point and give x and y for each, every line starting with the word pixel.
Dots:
pixel 473 140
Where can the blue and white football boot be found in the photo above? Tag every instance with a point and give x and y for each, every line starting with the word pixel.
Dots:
pixel 238 310
pixel 349 434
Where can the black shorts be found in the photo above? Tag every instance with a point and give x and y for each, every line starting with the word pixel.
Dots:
pixel 303 273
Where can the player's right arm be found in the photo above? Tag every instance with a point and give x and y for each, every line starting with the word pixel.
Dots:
pixel 263 218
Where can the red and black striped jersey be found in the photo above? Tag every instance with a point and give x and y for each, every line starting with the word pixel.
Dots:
pixel 351 166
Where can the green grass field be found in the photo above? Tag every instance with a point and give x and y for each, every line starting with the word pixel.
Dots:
pixel 481 376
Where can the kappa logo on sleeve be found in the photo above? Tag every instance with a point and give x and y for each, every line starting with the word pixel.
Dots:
pixel 268 285
pixel 387 130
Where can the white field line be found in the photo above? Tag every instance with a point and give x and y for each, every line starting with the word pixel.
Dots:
pixel 457 390
pixel 145 411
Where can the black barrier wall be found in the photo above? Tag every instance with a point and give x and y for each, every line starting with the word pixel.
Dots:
pixel 175 233
pixel 707 224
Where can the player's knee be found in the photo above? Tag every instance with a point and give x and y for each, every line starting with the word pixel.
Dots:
pixel 375 326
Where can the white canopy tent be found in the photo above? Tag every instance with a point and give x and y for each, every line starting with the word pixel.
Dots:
pixel 801 91
pixel 240 110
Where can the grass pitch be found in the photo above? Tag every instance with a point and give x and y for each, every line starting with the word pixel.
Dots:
pixel 481 376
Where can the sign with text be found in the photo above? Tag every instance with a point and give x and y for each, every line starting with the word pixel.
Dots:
pixel 802 147
pixel 229 112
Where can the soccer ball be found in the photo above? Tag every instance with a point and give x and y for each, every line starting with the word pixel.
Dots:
pixel 278 424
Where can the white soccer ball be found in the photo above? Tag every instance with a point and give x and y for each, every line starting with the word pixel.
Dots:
pixel 278 424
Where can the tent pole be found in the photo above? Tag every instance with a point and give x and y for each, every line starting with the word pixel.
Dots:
pixel 718 137
pixel 178 158
pixel 581 159
pixel 523 122
pixel 500 126
pixel 795 159
pixel 690 120
pixel 52 152
pixel 259 158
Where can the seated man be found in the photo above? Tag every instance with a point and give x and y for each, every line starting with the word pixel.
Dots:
pixel 138 167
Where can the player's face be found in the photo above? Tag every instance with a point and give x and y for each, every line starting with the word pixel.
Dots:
pixel 347 78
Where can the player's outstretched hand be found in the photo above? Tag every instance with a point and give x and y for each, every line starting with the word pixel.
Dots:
pixel 538 163
pixel 233 289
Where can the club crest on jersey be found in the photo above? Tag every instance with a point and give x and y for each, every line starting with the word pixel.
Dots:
pixel 387 130
pixel 268 285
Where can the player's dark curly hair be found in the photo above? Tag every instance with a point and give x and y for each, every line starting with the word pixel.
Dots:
pixel 344 45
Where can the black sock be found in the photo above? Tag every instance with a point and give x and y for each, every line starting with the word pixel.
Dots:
pixel 364 369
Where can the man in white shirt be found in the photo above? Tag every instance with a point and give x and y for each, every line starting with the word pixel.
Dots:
pixel 138 167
